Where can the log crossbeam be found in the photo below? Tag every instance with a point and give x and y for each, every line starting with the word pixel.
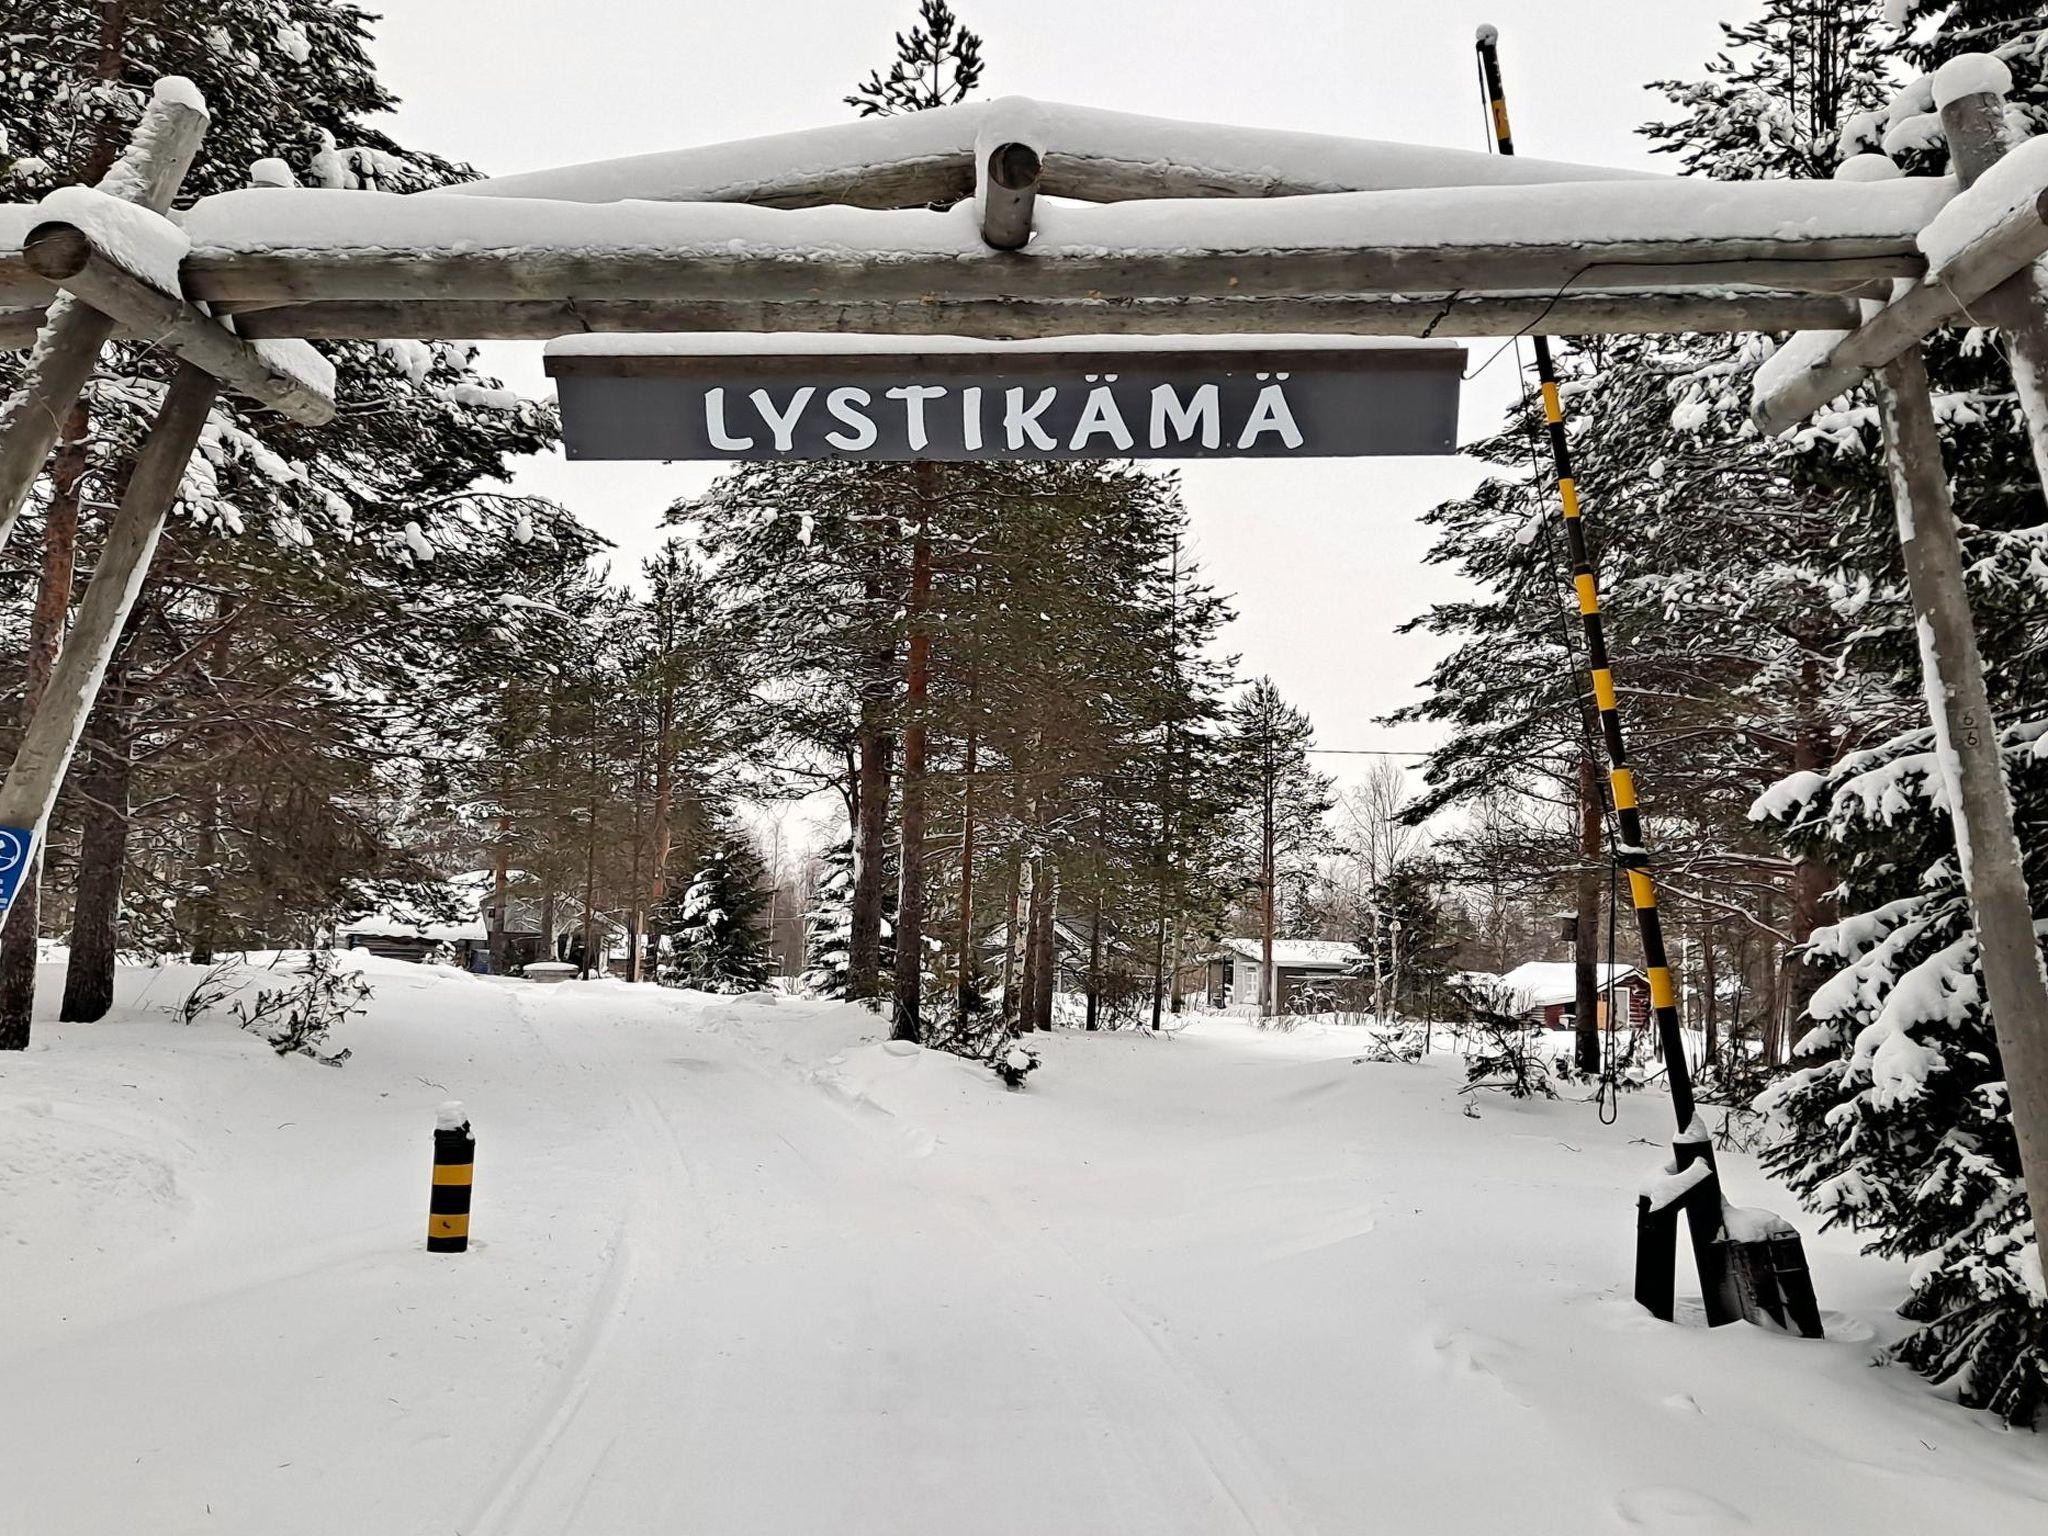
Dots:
pixel 1423 315
pixel 66 256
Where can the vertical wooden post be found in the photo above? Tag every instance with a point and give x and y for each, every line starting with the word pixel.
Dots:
pixel 1967 749
pixel 51 737
pixel 1978 137
pixel 149 172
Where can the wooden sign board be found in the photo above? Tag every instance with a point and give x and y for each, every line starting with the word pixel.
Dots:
pixel 1140 403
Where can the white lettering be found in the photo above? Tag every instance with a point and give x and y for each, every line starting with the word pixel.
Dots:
pixel 970 418
pixel 783 425
pixel 850 406
pixel 1100 414
pixel 1204 412
pixel 913 397
pixel 1017 421
pixel 714 423
pixel 1270 413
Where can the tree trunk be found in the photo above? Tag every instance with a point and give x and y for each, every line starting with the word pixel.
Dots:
pixel 1269 1001
pixel 500 893
pixel 1586 930
pixel 1158 973
pixel 908 1023
pixel 45 637
pixel 589 965
pixel 206 900
pixel 1048 951
pixel 871 831
pixel 1014 884
pixel 1710 984
pixel 102 855
pixel 967 968
pixel 1812 878
pixel 1094 1020
pixel 1027 988
pixel 547 926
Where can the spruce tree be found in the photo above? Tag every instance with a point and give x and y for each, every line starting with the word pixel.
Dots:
pixel 712 928
pixel 1900 1126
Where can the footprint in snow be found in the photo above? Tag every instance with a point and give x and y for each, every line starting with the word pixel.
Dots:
pixel 1671 1510
pixel 1475 1354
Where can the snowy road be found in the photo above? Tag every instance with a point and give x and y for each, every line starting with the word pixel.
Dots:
pixel 737 1271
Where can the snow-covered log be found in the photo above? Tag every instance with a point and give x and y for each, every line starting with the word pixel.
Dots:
pixel 1009 159
pixel 75 261
pixel 1094 155
pixel 270 246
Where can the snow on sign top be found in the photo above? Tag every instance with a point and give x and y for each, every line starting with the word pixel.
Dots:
pixel 840 343
pixel 773 398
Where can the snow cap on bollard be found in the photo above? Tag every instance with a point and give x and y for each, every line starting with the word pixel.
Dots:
pixel 448 1200
pixel 1487 35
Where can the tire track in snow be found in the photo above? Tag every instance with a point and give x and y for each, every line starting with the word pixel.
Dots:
pixel 1235 1470
pixel 505 1506
pixel 1220 1446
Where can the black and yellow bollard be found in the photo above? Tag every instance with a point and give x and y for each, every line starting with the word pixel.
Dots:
pixel 454 1159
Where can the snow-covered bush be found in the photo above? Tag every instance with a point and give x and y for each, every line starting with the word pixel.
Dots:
pixel 1015 1063
pixel 293 1019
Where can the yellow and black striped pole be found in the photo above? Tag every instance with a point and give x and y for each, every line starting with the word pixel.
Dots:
pixel 454 1159
pixel 1632 854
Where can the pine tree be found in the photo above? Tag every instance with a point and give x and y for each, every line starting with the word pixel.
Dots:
pixel 1284 802
pixel 937 64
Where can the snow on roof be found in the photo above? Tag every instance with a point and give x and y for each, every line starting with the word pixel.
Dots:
pixel 827 343
pixel 851 152
pixel 1540 983
pixel 403 923
pixel 1332 954
pixel 1584 216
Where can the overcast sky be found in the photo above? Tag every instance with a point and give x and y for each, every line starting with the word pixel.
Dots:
pixel 1323 557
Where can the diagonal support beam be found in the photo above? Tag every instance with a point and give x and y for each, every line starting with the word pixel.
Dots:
pixel 52 735
pixel 2010 244
pixel 67 256
pixel 67 350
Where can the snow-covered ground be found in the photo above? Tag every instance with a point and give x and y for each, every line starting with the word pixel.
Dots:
pixel 740 1269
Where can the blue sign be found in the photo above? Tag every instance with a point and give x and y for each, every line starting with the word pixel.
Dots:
pixel 17 847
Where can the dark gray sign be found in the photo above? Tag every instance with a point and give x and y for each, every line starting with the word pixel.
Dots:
pixel 1135 404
